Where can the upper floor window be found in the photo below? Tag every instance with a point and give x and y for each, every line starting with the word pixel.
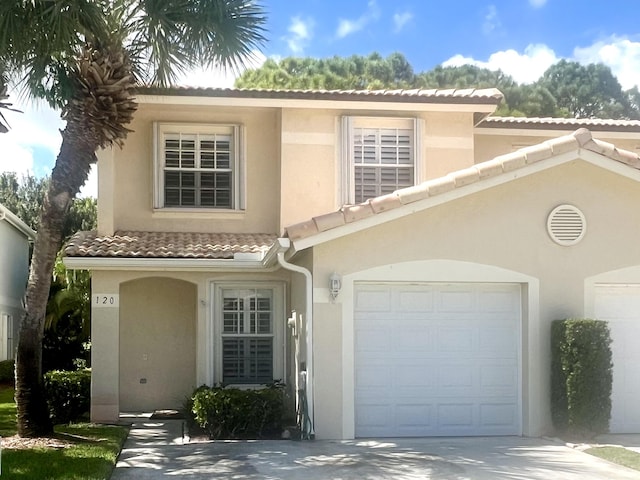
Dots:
pixel 381 156
pixel 198 166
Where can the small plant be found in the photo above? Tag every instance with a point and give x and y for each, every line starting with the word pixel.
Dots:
pixel 7 375
pixel 234 413
pixel 581 376
pixel 68 394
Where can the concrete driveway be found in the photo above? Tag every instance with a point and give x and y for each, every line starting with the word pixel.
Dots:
pixel 155 450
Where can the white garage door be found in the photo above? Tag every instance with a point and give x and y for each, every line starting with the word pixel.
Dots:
pixel 437 359
pixel 620 305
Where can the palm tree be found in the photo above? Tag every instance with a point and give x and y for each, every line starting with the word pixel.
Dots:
pixel 86 58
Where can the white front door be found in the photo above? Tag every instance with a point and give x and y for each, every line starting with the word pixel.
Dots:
pixel 620 306
pixel 437 359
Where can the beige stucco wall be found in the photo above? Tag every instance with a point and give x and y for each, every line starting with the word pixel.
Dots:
pixel 130 171
pixel 505 228
pixel 490 144
pixel 294 167
pixel 313 166
pixel 157 343
pixel 447 143
pixel 167 316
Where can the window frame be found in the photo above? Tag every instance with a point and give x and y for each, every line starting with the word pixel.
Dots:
pixel 278 330
pixel 348 125
pixel 237 163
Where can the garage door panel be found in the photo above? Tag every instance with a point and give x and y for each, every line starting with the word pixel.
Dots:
pixel 439 368
pixel 456 300
pixel 501 339
pixel 498 376
pixel 415 301
pixel 374 300
pixel 451 340
pixel 498 414
pixel 620 306
pixel 497 302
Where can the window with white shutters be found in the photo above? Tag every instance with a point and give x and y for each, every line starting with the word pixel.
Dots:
pixel 198 166
pixel 251 343
pixel 381 156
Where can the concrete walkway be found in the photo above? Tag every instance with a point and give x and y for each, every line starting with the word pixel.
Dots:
pixel 156 450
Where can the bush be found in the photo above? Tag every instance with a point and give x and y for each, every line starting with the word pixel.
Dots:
pixel 234 413
pixel 581 376
pixel 68 394
pixel 7 372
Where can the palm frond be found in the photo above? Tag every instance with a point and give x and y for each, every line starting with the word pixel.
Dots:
pixel 172 36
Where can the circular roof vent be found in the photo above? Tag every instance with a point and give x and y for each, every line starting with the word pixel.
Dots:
pixel 566 225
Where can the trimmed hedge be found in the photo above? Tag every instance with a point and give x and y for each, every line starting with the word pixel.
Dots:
pixel 68 394
pixel 234 413
pixel 581 376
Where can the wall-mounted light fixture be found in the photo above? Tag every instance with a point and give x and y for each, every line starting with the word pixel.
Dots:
pixel 335 284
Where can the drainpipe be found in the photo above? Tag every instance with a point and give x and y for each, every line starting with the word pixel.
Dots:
pixel 285 243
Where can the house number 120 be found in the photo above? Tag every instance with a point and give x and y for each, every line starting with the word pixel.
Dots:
pixel 105 300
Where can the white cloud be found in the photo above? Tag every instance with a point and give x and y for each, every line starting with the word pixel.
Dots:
pixel 491 20
pixel 33 141
pixel 400 20
pixel 216 77
pixel 524 67
pixel 301 32
pixel 620 54
pixel 15 157
pixel 347 27
pixel 90 187
pixel 537 3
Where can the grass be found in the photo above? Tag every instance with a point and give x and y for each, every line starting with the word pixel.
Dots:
pixel 619 455
pixel 91 456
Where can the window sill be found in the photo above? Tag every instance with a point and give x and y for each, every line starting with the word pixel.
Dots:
pixel 199 213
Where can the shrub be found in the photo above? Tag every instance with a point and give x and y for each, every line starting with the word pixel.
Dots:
pixel 68 394
pixel 234 413
pixel 7 372
pixel 581 376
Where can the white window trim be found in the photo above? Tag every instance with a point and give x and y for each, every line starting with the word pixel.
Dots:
pixel 346 135
pixel 279 340
pixel 239 162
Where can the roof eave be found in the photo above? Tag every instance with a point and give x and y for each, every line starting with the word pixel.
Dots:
pixel 356 104
pixel 18 224
pixel 165 264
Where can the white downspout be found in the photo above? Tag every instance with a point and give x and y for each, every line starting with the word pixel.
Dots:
pixel 285 244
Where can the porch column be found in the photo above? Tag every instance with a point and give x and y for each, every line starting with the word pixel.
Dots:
pixel 105 351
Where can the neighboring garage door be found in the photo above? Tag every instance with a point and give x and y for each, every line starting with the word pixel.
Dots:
pixel 437 359
pixel 620 305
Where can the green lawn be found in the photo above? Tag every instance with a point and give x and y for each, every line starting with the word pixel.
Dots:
pixel 618 455
pixel 91 456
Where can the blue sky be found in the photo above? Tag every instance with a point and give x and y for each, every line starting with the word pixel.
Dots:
pixel 521 37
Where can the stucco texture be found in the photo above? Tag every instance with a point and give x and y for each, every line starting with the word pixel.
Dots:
pixel 502 227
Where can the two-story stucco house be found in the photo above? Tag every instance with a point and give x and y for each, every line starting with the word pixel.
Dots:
pixel 398 256
pixel 15 238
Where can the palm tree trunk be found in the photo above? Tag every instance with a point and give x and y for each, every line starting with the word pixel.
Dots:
pixel 69 174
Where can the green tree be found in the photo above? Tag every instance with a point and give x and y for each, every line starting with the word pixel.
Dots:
pixel 68 320
pixel 335 73
pixel 86 58
pixel 585 91
pixel 567 88
pixel 23 196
